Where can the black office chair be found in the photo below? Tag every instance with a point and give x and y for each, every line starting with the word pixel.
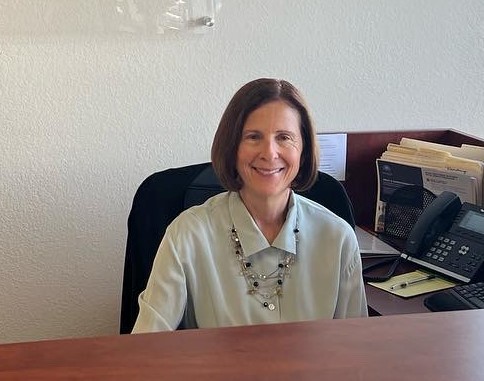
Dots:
pixel 163 195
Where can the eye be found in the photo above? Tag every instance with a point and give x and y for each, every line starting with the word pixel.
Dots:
pixel 252 136
pixel 284 137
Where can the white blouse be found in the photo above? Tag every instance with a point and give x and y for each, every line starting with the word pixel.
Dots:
pixel 197 276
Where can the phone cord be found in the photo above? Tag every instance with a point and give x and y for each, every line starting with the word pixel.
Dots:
pixel 381 278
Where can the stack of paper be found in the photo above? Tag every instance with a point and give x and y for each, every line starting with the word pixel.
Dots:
pixel 435 167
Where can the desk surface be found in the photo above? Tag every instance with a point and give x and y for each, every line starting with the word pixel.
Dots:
pixel 382 303
pixel 434 346
pixel 385 303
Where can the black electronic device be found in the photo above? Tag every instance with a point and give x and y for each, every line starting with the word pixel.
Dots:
pixel 448 238
pixel 461 297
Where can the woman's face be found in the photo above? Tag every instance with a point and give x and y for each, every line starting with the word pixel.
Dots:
pixel 270 149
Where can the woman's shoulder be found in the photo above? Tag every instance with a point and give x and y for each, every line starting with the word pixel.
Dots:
pixel 318 213
pixel 211 209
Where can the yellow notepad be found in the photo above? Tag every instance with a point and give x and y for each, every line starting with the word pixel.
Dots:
pixel 412 289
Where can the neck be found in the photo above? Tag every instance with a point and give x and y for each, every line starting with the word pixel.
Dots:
pixel 268 213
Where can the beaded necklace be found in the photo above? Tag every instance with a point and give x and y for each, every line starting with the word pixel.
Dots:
pixel 264 287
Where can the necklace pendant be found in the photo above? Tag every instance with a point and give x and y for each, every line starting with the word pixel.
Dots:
pixel 264 287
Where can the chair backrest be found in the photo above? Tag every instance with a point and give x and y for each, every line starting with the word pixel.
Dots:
pixel 159 200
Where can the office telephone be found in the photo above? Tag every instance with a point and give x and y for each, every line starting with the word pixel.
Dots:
pixel 448 238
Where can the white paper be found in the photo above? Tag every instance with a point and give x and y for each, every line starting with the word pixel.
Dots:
pixel 332 154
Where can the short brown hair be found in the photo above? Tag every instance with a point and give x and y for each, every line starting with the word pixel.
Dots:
pixel 227 138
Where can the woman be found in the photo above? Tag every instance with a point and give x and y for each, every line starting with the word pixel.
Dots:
pixel 258 253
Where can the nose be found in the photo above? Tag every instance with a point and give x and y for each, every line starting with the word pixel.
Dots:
pixel 270 149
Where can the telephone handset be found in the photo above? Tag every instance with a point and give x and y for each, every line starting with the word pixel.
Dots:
pixel 435 219
pixel 448 238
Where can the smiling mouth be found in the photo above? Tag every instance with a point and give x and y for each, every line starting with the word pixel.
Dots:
pixel 268 172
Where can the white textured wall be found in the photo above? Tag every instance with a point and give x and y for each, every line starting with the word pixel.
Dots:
pixel 85 118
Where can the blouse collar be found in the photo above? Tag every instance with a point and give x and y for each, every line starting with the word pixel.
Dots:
pixel 251 238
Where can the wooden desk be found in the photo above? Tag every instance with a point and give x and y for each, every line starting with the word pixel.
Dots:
pixel 435 346
pixel 362 150
pixel 384 303
pixel 381 303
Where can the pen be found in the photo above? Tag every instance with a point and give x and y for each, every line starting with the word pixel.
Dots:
pixel 410 282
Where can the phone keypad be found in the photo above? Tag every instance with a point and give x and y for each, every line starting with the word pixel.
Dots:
pixel 455 256
pixel 441 249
